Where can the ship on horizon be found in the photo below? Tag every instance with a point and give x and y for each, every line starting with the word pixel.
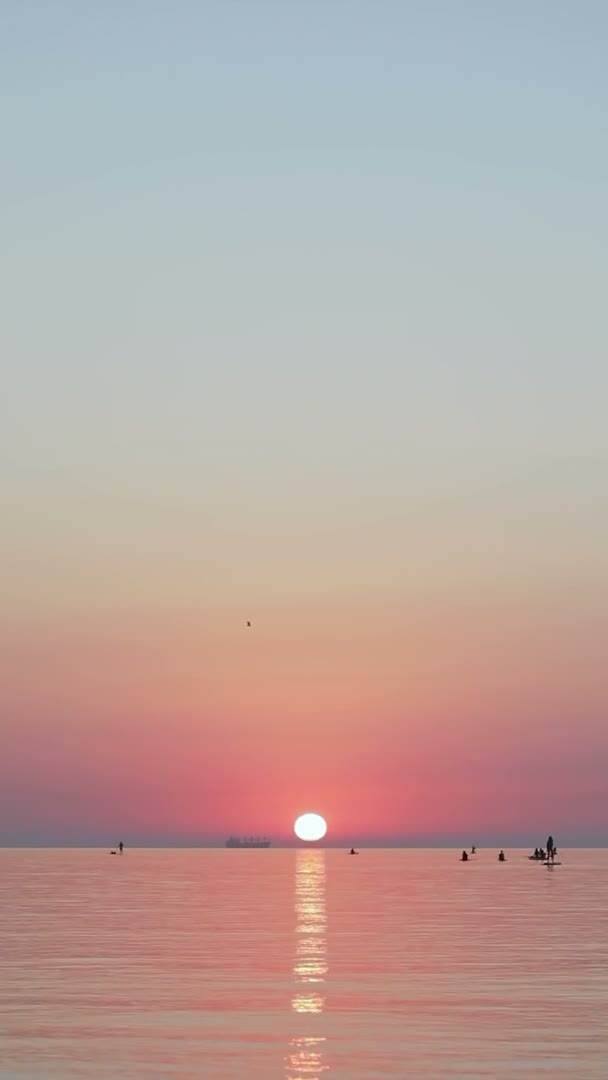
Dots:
pixel 248 842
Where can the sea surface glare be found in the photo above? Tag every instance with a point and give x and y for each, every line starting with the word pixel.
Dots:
pixel 302 964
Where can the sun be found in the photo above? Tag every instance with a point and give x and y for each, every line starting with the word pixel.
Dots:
pixel 310 827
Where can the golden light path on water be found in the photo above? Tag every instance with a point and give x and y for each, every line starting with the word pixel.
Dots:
pixel 305 1058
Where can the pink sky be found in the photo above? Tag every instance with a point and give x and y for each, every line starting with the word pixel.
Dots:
pixel 312 333
pixel 402 718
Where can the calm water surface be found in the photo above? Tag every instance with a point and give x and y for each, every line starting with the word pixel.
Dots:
pixel 302 965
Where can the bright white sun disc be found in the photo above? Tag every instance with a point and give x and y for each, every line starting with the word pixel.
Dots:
pixel 310 827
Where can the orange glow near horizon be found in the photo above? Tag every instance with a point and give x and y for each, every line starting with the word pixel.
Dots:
pixel 401 720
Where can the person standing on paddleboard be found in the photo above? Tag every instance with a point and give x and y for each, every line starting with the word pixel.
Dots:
pixel 550 848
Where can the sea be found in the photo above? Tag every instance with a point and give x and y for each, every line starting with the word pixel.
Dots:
pixel 302 964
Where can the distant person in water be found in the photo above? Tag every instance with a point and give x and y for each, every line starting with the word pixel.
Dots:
pixel 550 848
pixel 501 856
pixel 473 850
pixel 120 847
pixel 464 857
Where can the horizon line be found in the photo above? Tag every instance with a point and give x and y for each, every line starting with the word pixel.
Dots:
pixel 139 845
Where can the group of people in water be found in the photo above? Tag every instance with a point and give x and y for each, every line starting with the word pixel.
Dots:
pixel 465 855
pixel 543 855
pixel 547 855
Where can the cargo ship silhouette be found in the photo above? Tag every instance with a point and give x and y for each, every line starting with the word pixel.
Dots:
pixel 247 842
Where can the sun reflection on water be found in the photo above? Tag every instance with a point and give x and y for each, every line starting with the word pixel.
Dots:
pixel 305 1058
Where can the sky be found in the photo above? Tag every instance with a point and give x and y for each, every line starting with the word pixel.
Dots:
pixel 303 324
